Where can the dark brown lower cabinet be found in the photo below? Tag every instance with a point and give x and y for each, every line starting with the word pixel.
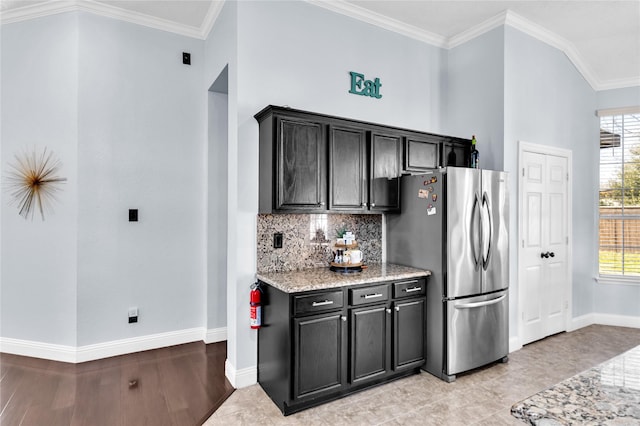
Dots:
pixel 369 339
pixel 408 344
pixel 318 346
pixel 318 354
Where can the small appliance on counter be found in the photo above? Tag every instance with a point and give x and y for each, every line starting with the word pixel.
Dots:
pixel 346 256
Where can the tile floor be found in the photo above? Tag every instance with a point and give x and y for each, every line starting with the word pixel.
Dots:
pixel 481 397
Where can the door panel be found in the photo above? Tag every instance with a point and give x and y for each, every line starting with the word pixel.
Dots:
pixel 477 331
pixel 318 346
pixel 495 231
pixel 348 155
pixel 301 165
pixel 544 245
pixel 384 184
pixel 369 342
pixel 463 203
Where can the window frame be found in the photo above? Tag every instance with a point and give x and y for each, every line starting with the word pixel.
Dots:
pixel 620 279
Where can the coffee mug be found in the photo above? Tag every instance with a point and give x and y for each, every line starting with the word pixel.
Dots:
pixel 356 256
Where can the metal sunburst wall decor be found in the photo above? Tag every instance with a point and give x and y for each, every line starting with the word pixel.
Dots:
pixel 33 182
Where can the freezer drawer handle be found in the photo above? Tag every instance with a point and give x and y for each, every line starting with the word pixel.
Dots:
pixel 323 303
pixel 480 304
pixel 412 289
pixel 372 296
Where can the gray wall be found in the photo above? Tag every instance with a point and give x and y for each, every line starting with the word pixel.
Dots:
pixel 548 102
pixel 39 109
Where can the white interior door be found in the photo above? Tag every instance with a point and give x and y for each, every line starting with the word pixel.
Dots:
pixel 544 283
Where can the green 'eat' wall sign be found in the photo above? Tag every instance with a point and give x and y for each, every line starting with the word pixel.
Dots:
pixel 361 86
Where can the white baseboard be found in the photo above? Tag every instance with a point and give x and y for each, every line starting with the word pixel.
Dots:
pixel 108 349
pixel 137 344
pixel 33 349
pixel 617 320
pixel 240 378
pixel 581 321
pixel 514 344
pixel 214 335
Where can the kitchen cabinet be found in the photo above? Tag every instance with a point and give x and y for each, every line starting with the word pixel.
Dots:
pixel 292 164
pixel 316 163
pixel 385 171
pixel 320 345
pixel 456 152
pixel 421 153
pixel 428 152
pixel 348 168
pixel 319 354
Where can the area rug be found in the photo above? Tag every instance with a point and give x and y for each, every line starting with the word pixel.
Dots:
pixel 608 394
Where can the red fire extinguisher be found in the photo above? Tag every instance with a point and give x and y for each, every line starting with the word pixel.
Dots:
pixel 254 303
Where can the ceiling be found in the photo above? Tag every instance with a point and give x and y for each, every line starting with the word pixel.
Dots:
pixel 601 37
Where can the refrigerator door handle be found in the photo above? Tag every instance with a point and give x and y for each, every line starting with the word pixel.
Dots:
pixel 475 240
pixel 486 233
pixel 480 304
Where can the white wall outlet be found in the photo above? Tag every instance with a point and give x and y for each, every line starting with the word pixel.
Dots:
pixel 133 315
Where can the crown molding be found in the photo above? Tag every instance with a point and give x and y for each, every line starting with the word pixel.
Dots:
pixel 211 18
pixel 338 6
pixel 373 18
pixel 55 7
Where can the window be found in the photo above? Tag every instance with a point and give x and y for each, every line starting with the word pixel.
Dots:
pixel 619 233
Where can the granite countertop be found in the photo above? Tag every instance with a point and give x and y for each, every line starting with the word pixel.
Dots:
pixel 321 278
pixel 608 394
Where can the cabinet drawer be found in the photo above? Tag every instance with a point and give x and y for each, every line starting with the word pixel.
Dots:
pixel 318 302
pixel 361 296
pixel 409 288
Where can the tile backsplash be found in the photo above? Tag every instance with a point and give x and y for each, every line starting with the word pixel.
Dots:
pixel 308 239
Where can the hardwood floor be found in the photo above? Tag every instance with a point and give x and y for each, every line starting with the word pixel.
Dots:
pixel 179 385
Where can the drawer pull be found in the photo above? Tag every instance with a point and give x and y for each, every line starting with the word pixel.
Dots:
pixel 412 289
pixel 323 303
pixel 372 296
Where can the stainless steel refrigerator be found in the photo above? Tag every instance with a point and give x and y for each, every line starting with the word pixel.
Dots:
pixel 455 223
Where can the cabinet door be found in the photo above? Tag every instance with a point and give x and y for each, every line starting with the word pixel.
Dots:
pixel 369 331
pixel 456 153
pixel 301 165
pixel 347 160
pixel 384 183
pixel 408 333
pixel 421 154
pixel 319 354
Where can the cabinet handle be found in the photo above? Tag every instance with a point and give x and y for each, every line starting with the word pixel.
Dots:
pixel 343 318
pixel 397 308
pixel 412 289
pixel 388 310
pixel 322 203
pixel 372 296
pixel 323 303
pixel 373 204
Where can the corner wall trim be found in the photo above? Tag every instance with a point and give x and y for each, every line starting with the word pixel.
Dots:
pixel 240 378
pixel 214 335
pixel 86 353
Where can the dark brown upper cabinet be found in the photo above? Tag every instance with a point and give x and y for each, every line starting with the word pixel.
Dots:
pixel 315 163
pixel 385 171
pixel 293 164
pixel 347 168
pixel 421 153
pixel 456 152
